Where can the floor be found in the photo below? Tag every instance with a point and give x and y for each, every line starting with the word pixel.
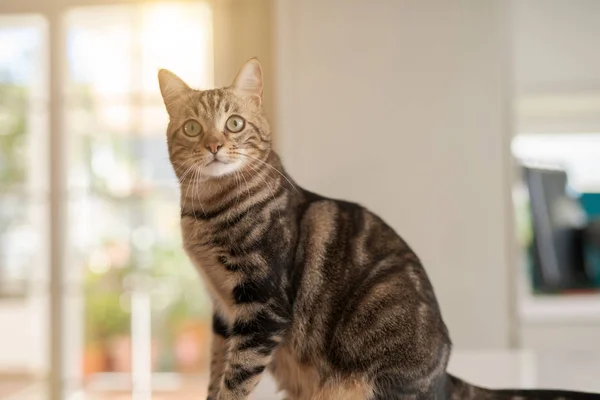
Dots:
pixel 26 389
pixel 10 385
pixel 38 392
pixel 496 369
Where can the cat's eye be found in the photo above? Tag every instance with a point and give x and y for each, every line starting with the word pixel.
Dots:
pixel 192 128
pixel 235 123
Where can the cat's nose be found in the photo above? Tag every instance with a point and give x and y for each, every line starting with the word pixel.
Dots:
pixel 214 147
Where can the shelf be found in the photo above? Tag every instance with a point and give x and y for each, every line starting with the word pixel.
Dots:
pixel 559 308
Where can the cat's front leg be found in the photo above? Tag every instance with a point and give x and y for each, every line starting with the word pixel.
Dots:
pixel 254 337
pixel 219 349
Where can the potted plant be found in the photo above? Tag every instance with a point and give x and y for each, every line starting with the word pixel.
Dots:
pixel 107 323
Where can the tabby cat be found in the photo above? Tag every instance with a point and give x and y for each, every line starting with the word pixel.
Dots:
pixel 321 292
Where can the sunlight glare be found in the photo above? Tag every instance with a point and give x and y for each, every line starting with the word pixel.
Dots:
pixel 177 37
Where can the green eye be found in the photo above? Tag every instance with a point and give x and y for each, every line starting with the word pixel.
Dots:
pixel 235 123
pixel 192 128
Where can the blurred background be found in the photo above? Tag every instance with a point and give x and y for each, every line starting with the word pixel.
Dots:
pixel 472 127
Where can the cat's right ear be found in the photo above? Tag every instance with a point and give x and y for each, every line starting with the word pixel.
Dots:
pixel 171 88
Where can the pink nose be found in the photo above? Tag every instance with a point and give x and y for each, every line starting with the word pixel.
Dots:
pixel 214 147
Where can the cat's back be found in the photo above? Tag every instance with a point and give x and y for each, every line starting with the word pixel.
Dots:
pixel 363 302
pixel 344 240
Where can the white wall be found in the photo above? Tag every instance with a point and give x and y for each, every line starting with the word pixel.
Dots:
pixel 556 45
pixel 404 107
pixel 557 65
pixel 557 69
pixel 23 348
pixel 242 30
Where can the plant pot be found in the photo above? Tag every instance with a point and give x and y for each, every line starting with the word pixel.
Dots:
pixel 119 353
pixel 94 359
pixel 191 347
pixel 119 350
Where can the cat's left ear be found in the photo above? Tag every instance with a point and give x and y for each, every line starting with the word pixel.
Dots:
pixel 171 88
pixel 249 81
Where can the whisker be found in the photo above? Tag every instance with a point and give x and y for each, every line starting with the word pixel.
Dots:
pixel 267 184
pixel 268 177
pixel 186 172
pixel 196 192
pixel 178 166
pixel 247 187
pixel 237 195
pixel 238 182
pixel 186 191
pixel 272 167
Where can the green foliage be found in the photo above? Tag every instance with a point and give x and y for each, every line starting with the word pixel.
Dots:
pixel 105 296
pixel 176 293
pixel 13 130
pixel 188 299
pixel 524 225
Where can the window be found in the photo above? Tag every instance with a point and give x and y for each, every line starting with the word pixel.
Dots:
pixel 22 134
pixel 577 155
pixel 135 314
pixel 575 152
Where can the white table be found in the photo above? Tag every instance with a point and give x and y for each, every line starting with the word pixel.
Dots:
pixel 570 370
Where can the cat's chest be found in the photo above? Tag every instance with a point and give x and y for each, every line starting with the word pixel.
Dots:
pixel 207 258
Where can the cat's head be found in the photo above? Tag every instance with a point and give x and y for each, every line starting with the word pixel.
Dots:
pixel 213 133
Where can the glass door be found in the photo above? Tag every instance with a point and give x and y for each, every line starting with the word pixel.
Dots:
pixel 140 312
pixel 23 205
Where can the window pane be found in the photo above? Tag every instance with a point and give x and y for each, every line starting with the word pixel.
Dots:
pixel 21 96
pixel 179 39
pixel 142 303
pixel 19 243
pixel 131 42
pixel 23 206
pixel 13 134
pixel 100 45
pixel 576 152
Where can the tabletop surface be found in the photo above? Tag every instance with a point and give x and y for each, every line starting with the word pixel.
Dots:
pixel 569 370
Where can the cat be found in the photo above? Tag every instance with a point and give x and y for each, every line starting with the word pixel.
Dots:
pixel 321 292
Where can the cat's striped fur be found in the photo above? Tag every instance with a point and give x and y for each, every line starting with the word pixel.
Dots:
pixel 321 292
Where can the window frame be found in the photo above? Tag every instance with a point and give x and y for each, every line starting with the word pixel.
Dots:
pixel 57 214
pixel 33 189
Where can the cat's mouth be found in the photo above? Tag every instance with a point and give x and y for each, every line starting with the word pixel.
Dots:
pixel 218 167
pixel 217 160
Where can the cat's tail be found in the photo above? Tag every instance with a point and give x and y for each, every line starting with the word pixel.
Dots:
pixel 461 390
